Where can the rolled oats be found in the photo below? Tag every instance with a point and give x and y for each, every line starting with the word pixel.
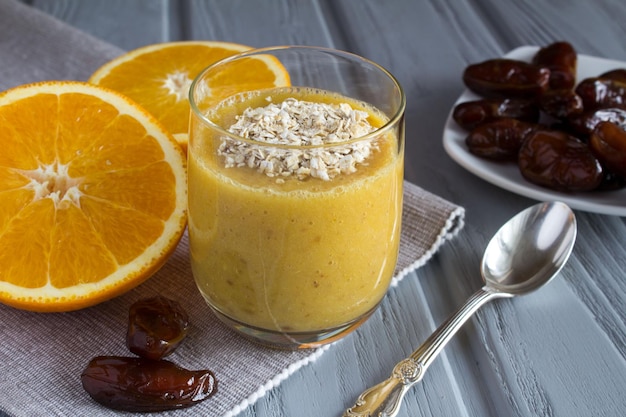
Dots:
pixel 299 123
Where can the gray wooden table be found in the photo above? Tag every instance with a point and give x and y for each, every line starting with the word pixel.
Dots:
pixel 559 352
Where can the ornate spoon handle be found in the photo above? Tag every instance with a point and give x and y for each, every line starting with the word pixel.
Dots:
pixel 383 400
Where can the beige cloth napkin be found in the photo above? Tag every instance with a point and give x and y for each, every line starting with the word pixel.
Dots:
pixel 42 355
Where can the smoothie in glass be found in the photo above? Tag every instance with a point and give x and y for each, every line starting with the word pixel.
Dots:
pixel 293 245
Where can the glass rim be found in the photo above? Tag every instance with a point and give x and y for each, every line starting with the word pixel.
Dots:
pixel 388 125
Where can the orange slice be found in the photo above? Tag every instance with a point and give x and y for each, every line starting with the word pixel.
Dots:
pixel 158 77
pixel 92 195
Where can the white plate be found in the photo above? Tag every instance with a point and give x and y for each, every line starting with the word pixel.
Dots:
pixel 507 175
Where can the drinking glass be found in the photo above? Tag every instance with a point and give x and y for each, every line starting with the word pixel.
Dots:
pixel 294 238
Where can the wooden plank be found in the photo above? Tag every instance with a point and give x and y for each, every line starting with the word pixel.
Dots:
pixel 258 24
pixel 125 24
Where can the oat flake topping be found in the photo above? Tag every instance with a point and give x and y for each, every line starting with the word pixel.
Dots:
pixel 301 123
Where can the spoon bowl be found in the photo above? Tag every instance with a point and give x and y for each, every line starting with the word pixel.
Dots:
pixel 529 250
pixel 525 254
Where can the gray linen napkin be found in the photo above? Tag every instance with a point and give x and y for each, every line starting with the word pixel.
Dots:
pixel 42 355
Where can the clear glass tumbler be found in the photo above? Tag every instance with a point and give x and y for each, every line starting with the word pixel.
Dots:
pixel 295 192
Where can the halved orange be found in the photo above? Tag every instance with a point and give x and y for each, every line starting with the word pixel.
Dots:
pixel 158 77
pixel 92 195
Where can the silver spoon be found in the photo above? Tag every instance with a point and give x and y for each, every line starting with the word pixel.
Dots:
pixel 525 254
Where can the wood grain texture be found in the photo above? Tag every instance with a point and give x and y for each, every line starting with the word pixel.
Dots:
pixel 559 352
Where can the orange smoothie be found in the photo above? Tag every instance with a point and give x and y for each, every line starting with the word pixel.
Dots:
pixel 286 253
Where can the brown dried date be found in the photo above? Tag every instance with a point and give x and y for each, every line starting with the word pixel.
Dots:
pixel 561 59
pixel 598 93
pixel 500 139
pixel 618 74
pixel 474 113
pixel 608 143
pixel 143 385
pixel 583 124
pixel 556 160
pixel 156 326
pixel 506 78
pixel 561 104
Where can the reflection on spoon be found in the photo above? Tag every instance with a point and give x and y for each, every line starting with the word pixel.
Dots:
pixel 525 254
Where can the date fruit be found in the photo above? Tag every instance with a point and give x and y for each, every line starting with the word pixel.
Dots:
pixel 500 139
pixel 583 124
pixel 618 74
pixel 143 385
pixel 599 93
pixel 156 326
pixel 561 59
pixel 474 113
pixel 561 104
pixel 608 143
pixel 559 161
pixel 506 78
